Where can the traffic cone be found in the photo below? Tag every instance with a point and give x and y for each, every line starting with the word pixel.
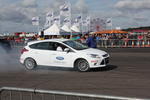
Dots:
pixel 143 43
pixel 138 43
pixel 148 43
pixel 132 43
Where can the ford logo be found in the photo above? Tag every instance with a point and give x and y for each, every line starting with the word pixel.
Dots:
pixel 60 58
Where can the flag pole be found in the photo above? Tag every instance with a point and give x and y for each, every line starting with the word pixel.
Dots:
pixel 89 23
pixel 81 23
pixel 39 25
pixel 70 15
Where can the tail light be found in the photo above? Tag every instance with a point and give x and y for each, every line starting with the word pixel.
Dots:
pixel 24 50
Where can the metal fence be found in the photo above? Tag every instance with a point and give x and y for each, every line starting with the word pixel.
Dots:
pixel 123 43
pixel 111 43
pixel 11 93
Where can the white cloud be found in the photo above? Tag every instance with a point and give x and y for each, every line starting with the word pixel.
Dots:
pixel 135 9
pixel 81 6
pixel 18 12
pixel 133 4
pixel 29 3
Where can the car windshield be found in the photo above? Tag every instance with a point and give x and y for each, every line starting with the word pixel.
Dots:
pixel 76 45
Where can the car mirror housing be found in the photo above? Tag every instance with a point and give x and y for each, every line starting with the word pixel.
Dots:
pixel 66 50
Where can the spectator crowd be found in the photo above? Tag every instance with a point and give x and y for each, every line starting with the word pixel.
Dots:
pixel 92 40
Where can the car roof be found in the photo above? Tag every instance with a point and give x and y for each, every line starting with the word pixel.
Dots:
pixel 47 40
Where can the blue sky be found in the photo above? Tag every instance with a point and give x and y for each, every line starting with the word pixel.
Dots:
pixel 15 15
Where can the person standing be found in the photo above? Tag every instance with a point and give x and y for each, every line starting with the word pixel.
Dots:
pixel 91 41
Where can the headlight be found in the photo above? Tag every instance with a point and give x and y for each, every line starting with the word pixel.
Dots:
pixel 94 55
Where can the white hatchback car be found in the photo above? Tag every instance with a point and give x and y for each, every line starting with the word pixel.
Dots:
pixel 62 53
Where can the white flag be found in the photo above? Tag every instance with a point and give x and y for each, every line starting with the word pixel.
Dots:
pixel 76 23
pixel 35 21
pixel 49 14
pixel 109 22
pixel 56 20
pixel 88 20
pixel 67 21
pixel 48 22
pixel 65 9
pixel 79 18
pixel 84 22
pixel 49 19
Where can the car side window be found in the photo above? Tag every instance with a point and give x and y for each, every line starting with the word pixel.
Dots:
pixel 41 46
pixel 48 46
pixel 55 46
pixel 52 46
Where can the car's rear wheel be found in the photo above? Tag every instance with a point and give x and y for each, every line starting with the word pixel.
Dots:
pixel 30 63
pixel 82 65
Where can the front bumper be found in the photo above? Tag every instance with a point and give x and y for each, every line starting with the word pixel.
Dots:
pixel 105 61
pixel 99 62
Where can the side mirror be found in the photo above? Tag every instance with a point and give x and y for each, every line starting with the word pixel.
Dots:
pixel 66 50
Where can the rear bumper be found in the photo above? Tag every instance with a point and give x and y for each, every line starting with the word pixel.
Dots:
pixel 21 60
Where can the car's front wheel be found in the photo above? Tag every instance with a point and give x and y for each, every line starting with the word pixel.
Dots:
pixel 82 65
pixel 30 63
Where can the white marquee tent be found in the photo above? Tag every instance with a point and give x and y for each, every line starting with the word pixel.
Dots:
pixel 74 28
pixel 52 30
pixel 65 28
pixel 55 30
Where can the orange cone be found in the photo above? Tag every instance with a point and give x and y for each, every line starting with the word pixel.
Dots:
pixel 132 43
pixel 143 43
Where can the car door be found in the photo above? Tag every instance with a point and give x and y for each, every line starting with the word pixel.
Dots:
pixel 41 53
pixel 62 58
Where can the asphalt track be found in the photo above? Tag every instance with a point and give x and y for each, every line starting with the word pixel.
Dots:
pixel 128 74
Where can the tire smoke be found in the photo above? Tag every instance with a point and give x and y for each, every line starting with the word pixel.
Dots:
pixel 9 61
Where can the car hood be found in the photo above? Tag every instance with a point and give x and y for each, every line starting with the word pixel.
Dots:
pixel 93 51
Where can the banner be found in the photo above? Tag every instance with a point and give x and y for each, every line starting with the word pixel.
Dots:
pixel 56 20
pixel 65 9
pixel 49 19
pixel 109 22
pixel 67 21
pixel 49 14
pixel 86 22
pixel 78 20
pixel 35 21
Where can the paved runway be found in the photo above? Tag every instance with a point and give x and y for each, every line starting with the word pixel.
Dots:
pixel 128 74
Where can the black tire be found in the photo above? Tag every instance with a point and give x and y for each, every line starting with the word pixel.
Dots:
pixel 82 65
pixel 30 64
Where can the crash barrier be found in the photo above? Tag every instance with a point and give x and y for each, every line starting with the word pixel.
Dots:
pixel 123 43
pixel 17 44
pixel 11 93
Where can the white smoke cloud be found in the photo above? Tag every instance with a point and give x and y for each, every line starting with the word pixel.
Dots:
pixel 9 62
